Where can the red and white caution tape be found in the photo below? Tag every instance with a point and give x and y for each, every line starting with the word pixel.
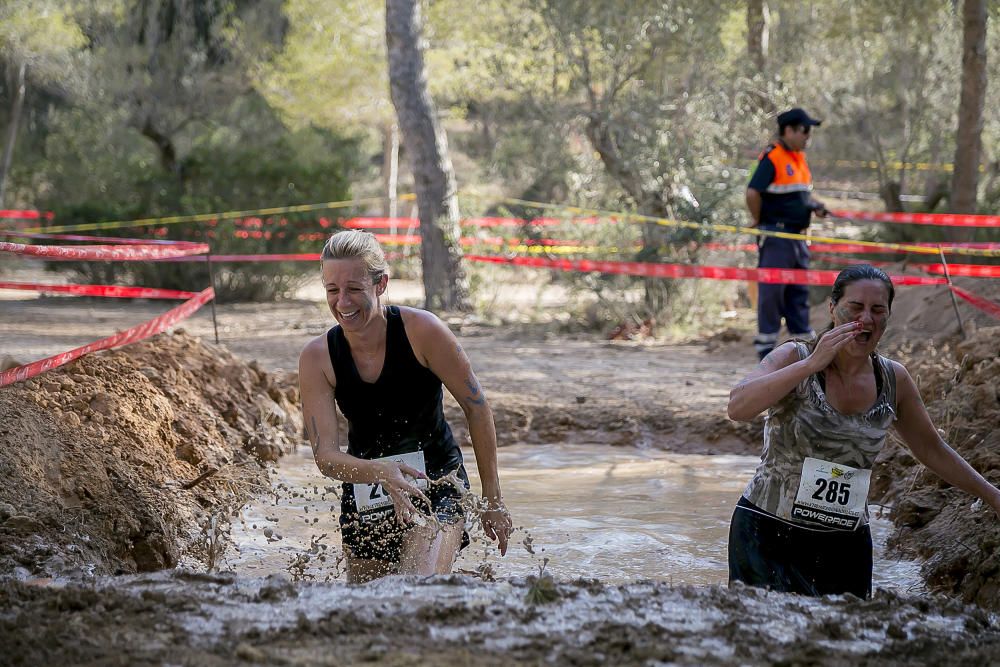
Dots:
pixel 301 257
pixel 971 270
pixel 101 239
pixel 657 270
pixel 941 219
pixel 291 257
pixel 413 223
pixel 10 214
pixel 136 333
pixel 854 248
pixel 104 253
pixel 982 303
pixel 112 291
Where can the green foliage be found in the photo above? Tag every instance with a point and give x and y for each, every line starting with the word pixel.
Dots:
pixel 332 70
pixel 261 164
pixel 153 107
pixel 41 33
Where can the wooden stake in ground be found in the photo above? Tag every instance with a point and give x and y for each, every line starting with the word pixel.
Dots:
pixel 954 301
pixel 211 280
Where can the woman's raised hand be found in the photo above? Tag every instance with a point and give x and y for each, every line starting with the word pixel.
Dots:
pixel 395 479
pixel 830 343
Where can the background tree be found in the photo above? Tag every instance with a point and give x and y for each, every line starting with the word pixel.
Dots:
pixel 39 38
pixel 968 134
pixel 624 73
pixel 445 283
pixel 135 108
pixel 170 65
pixel 758 32
pixel 332 73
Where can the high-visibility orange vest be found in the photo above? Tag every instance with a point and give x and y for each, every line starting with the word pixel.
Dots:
pixel 791 171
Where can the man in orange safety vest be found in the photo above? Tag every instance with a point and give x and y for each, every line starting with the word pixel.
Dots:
pixel 779 197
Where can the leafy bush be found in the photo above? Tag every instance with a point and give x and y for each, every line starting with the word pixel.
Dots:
pixel 257 163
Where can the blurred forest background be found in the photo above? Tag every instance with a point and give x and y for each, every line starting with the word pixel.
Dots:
pixel 123 109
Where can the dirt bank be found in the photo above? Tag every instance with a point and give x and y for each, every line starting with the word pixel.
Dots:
pixel 960 540
pixel 556 389
pixel 181 618
pixel 99 457
pixel 544 386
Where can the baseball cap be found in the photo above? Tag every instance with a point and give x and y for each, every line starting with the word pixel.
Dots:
pixel 796 116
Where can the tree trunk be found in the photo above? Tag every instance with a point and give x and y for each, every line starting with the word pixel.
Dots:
pixel 15 118
pixel 892 196
pixel 445 283
pixel 758 25
pixel 390 169
pixel 758 31
pixel 657 292
pixel 968 137
pixel 165 146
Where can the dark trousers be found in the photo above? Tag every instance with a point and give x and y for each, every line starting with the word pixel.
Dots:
pixel 775 302
pixel 769 553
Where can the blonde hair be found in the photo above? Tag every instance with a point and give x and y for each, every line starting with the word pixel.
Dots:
pixel 354 244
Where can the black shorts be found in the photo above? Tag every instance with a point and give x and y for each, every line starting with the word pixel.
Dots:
pixel 380 537
pixel 766 552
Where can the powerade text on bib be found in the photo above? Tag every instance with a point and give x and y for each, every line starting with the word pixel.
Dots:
pixel 831 494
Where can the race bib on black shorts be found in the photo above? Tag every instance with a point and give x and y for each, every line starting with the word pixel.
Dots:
pixel 373 501
pixel 831 494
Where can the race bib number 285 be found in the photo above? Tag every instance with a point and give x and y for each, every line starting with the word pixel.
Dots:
pixel 831 494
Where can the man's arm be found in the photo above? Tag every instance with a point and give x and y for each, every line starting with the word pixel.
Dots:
pixel 762 177
pixel 818 207
pixel 754 201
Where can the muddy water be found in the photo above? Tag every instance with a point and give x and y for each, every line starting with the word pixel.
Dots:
pixel 610 513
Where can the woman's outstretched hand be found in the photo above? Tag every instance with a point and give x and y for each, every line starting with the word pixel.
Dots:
pixel 395 480
pixel 830 343
pixel 497 524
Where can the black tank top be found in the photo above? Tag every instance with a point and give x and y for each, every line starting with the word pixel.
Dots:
pixel 401 411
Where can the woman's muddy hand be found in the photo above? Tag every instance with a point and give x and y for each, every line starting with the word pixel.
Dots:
pixel 497 524
pixel 830 343
pixel 395 479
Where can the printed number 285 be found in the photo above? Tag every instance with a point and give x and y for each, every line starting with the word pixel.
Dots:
pixel 832 492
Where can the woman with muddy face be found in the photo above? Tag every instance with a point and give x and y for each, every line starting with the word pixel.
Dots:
pixel 802 523
pixel 403 473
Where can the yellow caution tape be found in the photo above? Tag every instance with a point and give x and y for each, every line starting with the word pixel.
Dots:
pixel 736 229
pixel 203 217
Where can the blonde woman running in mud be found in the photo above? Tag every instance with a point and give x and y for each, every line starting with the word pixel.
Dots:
pixel 802 523
pixel 403 474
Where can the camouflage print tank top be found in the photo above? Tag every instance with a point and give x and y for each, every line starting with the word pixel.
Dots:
pixel 816 464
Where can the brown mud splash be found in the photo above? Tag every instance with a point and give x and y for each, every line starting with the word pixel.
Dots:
pixel 185 618
pixel 114 462
pixel 959 538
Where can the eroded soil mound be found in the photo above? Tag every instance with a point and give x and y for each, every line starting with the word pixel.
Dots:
pixel 959 538
pixel 926 312
pixel 573 390
pixel 179 618
pixel 100 460
pixel 614 421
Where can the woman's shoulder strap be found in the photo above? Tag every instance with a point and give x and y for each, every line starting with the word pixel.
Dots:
pixel 888 369
pixel 333 336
